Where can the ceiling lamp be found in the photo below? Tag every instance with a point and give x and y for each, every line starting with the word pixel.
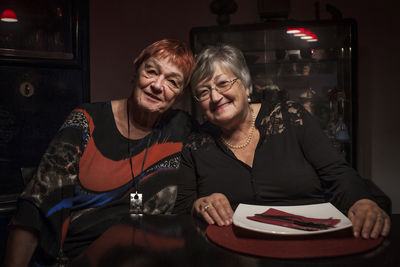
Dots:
pixel 9 15
pixel 307 35
pixel 303 34
pixel 313 38
pixel 300 33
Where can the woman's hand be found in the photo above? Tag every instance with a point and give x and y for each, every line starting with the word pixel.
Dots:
pixel 214 208
pixel 368 219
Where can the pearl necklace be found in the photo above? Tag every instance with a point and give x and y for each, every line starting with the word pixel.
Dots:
pixel 249 137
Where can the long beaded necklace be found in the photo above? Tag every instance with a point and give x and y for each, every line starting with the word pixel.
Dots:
pixel 136 199
pixel 249 137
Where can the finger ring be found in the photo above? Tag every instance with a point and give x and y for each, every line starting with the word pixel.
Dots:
pixel 206 207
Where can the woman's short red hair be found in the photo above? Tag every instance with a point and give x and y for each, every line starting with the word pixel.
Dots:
pixel 176 51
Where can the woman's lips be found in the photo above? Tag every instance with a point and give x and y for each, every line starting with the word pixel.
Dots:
pixel 151 96
pixel 220 106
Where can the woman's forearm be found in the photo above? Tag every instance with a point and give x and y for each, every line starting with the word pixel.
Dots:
pixel 21 244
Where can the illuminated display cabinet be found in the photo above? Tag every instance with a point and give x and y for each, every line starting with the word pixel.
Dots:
pixel 311 62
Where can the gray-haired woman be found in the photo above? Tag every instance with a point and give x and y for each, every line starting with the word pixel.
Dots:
pixel 272 153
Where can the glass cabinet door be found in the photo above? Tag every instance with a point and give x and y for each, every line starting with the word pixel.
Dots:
pixel 308 62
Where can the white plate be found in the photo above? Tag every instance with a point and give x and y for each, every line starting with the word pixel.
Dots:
pixel 324 210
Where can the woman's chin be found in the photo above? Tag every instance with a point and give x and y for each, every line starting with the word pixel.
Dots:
pixel 224 113
pixel 150 105
pixel 220 119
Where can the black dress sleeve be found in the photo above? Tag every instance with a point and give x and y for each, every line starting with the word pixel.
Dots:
pixel 341 183
pixel 52 183
pixel 187 184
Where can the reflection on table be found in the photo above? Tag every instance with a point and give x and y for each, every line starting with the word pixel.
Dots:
pixel 181 241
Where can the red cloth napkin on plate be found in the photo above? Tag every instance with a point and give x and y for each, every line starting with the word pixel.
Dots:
pixel 272 211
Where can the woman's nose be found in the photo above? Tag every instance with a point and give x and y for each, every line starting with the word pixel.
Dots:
pixel 214 95
pixel 158 83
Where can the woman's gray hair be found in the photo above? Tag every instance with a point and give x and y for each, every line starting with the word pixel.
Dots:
pixel 228 56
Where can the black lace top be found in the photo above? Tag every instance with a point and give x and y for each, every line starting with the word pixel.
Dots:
pixel 294 164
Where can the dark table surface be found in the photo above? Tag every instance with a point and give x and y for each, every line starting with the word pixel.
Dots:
pixel 181 241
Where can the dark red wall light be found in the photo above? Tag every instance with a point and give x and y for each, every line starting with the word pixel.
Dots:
pixel 9 15
pixel 303 34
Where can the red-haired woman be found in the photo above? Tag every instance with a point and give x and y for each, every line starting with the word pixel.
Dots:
pixel 107 160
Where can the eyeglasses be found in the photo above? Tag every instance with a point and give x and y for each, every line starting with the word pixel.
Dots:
pixel 203 93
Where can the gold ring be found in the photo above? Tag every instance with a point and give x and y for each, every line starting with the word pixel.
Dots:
pixel 206 207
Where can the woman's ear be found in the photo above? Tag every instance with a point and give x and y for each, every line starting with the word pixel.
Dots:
pixel 248 92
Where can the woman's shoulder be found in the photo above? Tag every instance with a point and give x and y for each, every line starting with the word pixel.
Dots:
pixel 276 116
pixel 81 116
pixel 176 125
pixel 176 116
pixel 294 112
pixel 88 111
pixel 202 136
pixel 288 110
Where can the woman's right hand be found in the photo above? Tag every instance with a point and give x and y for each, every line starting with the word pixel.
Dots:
pixel 214 208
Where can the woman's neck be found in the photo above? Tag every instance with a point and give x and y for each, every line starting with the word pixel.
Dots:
pixel 140 122
pixel 237 131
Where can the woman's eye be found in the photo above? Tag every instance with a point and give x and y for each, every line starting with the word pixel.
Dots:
pixel 173 82
pixel 202 92
pixel 222 84
pixel 151 71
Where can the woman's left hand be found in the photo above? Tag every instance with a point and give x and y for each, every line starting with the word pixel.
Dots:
pixel 368 219
pixel 214 208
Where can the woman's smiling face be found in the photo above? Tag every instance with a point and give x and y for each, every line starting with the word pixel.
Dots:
pixel 158 85
pixel 227 108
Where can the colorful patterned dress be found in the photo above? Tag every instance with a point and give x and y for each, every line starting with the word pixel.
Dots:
pixel 83 182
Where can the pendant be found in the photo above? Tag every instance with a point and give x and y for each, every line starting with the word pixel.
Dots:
pixel 136 205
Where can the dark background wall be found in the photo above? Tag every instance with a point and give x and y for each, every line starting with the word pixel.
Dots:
pixel 120 29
